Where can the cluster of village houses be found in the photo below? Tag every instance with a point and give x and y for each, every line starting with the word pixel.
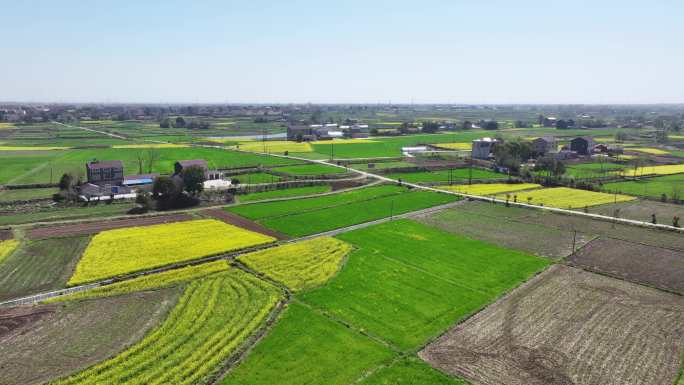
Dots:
pixel 327 132
pixel 106 179
pixel 580 146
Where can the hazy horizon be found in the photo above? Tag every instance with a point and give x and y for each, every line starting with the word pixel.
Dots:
pixel 352 52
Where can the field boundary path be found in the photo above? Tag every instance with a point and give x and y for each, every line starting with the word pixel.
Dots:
pixel 92 130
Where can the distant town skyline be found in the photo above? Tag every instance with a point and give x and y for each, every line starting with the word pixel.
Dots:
pixel 400 52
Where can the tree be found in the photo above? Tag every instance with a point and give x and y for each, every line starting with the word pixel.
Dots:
pixel 551 165
pixel 491 125
pixel 152 157
pixel 144 201
pixel 467 125
pixel 180 122
pixel 430 127
pixel 140 157
pixel 66 182
pixel 621 136
pixel 562 124
pixel 164 188
pixel 165 123
pixel 193 179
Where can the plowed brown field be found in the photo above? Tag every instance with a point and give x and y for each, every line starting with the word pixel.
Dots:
pixel 568 327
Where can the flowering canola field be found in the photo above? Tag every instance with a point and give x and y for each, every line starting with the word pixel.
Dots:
pixel 568 198
pixel 300 265
pixel 275 146
pixel 7 247
pixel 122 251
pixel 656 170
pixel 484 189
pixel 211 321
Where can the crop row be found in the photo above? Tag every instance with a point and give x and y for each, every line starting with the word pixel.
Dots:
pixel 212 319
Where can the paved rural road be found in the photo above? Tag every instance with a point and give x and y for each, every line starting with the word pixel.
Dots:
pixel 91 130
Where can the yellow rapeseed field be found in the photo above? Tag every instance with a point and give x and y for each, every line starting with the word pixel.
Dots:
pixel 649 150
pixel 568 198
pixel 301 265
pixel 122 251
pixel 455 146
pixel 4 126
pixel 490 188
pixel 151 145
pixel 34 148
pixel 7 247
pixel 148 282
pixel 656 170
pixel 344 141
pixel 274 146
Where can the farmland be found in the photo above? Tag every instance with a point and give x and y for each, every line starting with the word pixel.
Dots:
pixel 656 170
pixel 211 320
pixel 56 341
pixel 490 188
pixel 491 226
pixel 672 186
pixel 285 193
pixel 649 265
pixel 310 169
pixel 444 176
pixel 39 266
pixel 26 194
pixel 530 336
pixel 259 211
pixel 256 177
pixel 274 146
pixel 302 265
pixel 567 198
pixel 122 251
pixel 305 347
pixel 377 289
pixel 7 247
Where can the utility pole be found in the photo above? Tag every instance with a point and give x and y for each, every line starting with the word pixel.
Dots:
pixel 392 210
pixel 332 151
pixel 470 170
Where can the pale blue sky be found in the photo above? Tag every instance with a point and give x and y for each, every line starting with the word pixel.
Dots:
pixel 454 51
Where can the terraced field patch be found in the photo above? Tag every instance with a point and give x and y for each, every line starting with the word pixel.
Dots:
pixel 636 262
pixel 39 266
pixel 568 198
pixel 532 238
pixel 260 211
pixel 649 150
pixel 484 189
pixel 274 146
pixel 305 347
pixel 310 169
pixel 212 319
pixel 656 170
pixel 156 281
pixel 410 371
pixel 407 282
pixel 302 265
pixel 7 247
pixel 672 186
pixel 285 193
pixel 568 326
pixel 42 343
pixel 122 251
pixel 317 221
pixel 445 176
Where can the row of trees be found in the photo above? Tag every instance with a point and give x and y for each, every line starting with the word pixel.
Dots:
pixel 180 122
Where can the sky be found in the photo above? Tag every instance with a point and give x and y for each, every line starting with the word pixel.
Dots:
pixel 258 51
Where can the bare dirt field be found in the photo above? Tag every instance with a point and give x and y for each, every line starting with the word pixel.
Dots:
pixel 5 235
pixel 530 237
pixel 650 265
pixel 96 227
pixel 239 221
pixel 588 226
pixel 568 327
pixel 41 343
pixel 641 210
